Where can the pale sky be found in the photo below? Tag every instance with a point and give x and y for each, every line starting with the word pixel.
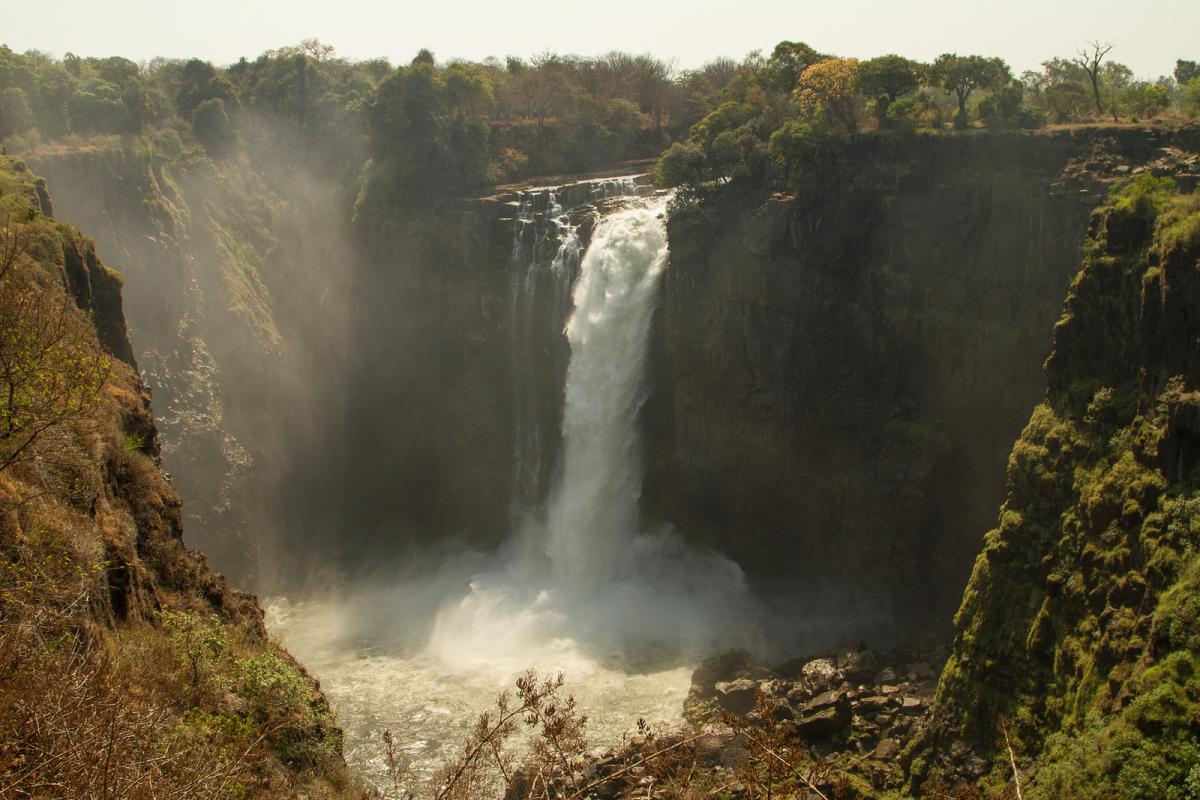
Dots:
pixel 1148 35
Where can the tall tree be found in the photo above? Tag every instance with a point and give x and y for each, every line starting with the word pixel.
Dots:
pixel 1089 59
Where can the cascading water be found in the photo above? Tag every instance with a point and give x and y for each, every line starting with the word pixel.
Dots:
pixel 579 588
pixel 593 517
pixel 588 580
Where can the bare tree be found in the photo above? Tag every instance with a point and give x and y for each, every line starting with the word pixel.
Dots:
pixel 1089 59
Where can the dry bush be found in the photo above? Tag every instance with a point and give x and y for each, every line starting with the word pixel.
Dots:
pixel 652 765
pixel 71 723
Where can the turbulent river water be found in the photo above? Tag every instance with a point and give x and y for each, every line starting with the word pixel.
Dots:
pixel 580 589
pixel 429 705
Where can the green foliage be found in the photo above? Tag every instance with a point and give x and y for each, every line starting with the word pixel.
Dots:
pixel 787 63
pixel 283 699
pixel 1144 100
pixel 83 96
pixel 682 163
pixel 210 124
pixel 1081 622
pixel 831 88
pixel 52 369
pixel 199 82
pixel 1191 97
pixel 15 114
pixel 963 75
pixel 198 640
pixel 886 79
pixel 1186 71
pixel 1143 196
pixel 1005 108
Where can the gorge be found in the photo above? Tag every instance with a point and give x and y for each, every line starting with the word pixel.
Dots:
pixel 728 450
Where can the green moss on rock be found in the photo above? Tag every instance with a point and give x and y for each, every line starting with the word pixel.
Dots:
pixel 1080 628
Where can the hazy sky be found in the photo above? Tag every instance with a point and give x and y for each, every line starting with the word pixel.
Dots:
pixel 1148 35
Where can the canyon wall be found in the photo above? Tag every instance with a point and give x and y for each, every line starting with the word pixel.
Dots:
pixel 840 373
pixel 236 302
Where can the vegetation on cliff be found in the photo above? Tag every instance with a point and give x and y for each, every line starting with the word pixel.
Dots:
pixel 778 113
pixel 127 667
pixel 1080 628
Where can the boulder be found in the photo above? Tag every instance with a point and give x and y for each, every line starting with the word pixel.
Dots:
pixel 825 700
pixel 821 674
pixel 736 697
pixel 886 750
pixel 873 703
pixel 727 666
pixel 824 723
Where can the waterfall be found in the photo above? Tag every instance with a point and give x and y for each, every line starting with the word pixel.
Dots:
pixel 593 517
pixel 580 578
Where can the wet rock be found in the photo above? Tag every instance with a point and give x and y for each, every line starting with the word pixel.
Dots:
pixel 736 697
pixel 859 665
pixel 875 702
pixel 820 674
pixel 823 724
pixel 711 747
pixel 776 689
pixel 825 700
pixel 782 712
pixel 886 750
pixel 727 666
pixel 799 695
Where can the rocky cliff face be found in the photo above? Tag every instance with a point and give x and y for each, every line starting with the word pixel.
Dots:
pixel 840 374
pixel 460 310
pixel 96 581
pixel 1079 628
pixel 237 311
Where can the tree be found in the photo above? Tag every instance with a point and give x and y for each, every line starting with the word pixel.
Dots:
pixel 1005 108
pixel 52 371
pixel 1185 71
pixel 1089 60
pixel 831 86
pixel 787 63
pixel 963 75
pixel 682 164
pixel 15 115
pixel 210 123
pixel 1191 97
pixel 887 78
pixel 1060 89
pixel 200 81
pixel 1145 100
